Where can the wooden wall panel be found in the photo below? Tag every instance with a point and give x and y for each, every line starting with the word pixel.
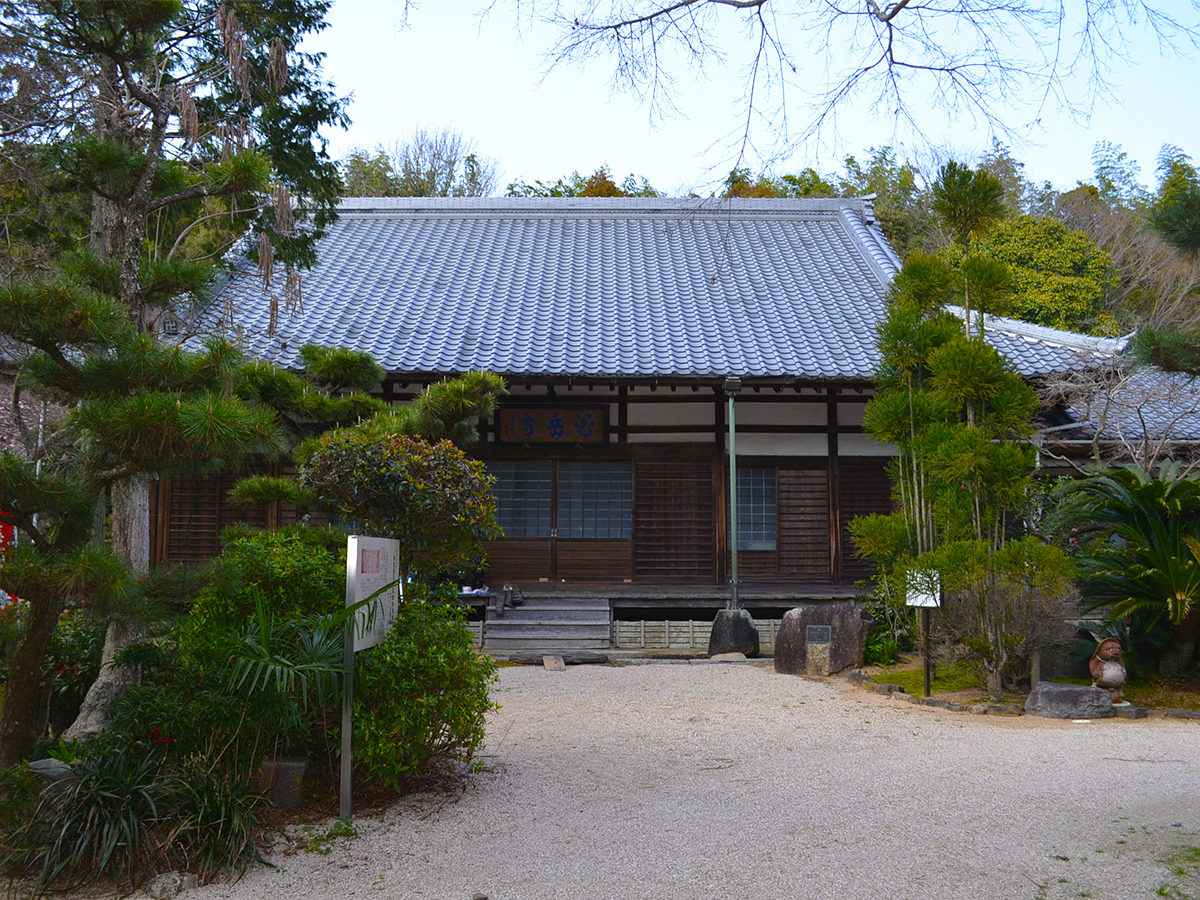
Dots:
pixel 756 564
pixel 196 511
pixel 518 560
pixel 803 522
pixel 865 489
pixel 673 521
pixel 594 560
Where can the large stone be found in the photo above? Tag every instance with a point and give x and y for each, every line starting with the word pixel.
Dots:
pixel 1069 701
pixel 171 885
pixel 849 628
pixel 733 631
pixel 727 657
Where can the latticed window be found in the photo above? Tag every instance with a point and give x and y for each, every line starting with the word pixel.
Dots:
pixel 523 492
pixel 595 500
pixel 756 509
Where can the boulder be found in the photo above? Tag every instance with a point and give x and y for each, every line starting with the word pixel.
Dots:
pixel 171 885
pixel 849 628
pixel 733 631
pixel 1069 701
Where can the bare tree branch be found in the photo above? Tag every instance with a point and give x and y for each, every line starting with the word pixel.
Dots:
pixel 989 61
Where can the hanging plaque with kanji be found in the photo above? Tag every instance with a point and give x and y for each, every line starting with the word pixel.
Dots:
pixel 554 425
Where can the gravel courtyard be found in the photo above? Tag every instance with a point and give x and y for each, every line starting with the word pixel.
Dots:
pixel 714 781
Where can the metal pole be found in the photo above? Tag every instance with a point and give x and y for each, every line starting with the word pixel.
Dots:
pixel 928 655
pixel 345 790
pixel 733 506
pixel 345 808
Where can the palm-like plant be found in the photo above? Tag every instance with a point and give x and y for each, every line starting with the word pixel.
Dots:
pixel 1144 549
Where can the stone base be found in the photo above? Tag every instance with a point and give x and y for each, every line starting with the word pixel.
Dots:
pixel 282 780
pixel 1069 701
pixel 733 631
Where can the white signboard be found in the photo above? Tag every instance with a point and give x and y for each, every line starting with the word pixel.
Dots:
pixel 371 564
pixel 925 590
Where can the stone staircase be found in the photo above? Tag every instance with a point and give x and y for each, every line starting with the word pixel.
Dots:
pixel 549 621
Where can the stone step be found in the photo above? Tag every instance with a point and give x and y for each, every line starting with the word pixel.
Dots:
pixel 561 603
pixel 546 645
pixel 548 617
pixel 552 629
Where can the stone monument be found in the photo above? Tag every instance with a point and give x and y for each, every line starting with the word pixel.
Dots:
pixel 838 632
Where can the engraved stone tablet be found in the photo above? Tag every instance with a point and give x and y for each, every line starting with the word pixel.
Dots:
pixel 819 634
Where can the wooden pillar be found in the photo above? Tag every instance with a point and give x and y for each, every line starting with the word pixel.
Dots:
pixel 623 415
pixel 834 490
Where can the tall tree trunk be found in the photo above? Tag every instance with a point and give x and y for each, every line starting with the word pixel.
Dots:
pixel 18 730
pixel 1177 659
pixel 131 542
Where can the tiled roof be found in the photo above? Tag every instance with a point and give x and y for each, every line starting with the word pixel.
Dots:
pixel 1164 404
pixel 621 288
pixel 1036 350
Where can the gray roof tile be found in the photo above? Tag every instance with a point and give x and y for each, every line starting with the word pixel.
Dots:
pixel 1036 350
pixel 582 287
pixel 1165 404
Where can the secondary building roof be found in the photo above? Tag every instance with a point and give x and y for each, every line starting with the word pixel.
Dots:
pixel 1037 351
pixel 590 288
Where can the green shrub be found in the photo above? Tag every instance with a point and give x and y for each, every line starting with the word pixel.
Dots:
pixel 101 823
pixel 128 813
pixel 246 693
pixel 422 697
pixel 19 786
pixel 213 821
pixel 881 649
pixel 296 572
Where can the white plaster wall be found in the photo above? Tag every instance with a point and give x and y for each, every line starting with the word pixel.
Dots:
pixel 779 413
pixel 861 445
pixel 780 445
pixel 682 437
pixel 851 413
pixel 691 413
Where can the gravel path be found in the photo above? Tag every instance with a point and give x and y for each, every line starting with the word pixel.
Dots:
pixel 656 782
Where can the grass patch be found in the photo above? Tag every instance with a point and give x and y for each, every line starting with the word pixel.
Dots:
pixel 947 679
pixel 1154 692
pixel 1160 693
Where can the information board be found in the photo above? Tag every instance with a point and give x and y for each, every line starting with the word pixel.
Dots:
pixel 371 564
pixel 924 590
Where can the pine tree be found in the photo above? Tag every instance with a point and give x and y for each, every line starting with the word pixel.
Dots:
pixel 184 124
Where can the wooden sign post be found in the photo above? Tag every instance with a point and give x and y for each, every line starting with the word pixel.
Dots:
pixel 925 592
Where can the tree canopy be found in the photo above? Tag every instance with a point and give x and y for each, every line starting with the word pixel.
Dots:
pixel 598 184
pixel 427 163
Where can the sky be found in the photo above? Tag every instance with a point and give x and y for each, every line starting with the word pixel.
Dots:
pixel 484 75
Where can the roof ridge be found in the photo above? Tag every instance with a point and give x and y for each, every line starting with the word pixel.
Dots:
pixel 1073 340
pixel 352 207
pixel 880 258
